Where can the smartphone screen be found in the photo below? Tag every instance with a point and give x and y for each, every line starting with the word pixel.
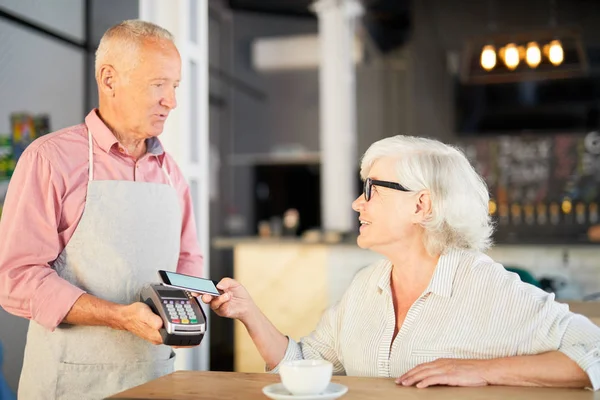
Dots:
pixel 190 283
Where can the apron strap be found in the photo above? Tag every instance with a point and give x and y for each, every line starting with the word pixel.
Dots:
pixel 91 161
pixel 166 173
pixel 91 156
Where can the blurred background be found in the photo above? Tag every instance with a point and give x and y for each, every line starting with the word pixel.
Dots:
pixel 279 100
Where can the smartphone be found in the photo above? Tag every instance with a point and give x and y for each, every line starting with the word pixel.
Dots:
pixel 189 283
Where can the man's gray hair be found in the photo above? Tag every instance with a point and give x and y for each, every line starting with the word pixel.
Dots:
pixel 125 37
pixel 459 196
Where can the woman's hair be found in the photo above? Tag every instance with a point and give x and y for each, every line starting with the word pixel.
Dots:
pixel 459 197
pixel 123 40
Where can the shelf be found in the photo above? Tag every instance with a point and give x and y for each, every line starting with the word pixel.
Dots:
pixel 284 158
pixel 543 241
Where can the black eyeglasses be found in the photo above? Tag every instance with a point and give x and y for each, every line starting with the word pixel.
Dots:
pixel 369 183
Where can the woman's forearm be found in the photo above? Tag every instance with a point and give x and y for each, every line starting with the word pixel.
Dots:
pixel 271 343
pixel 552 369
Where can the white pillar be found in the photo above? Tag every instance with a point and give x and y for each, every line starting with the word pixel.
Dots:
pixel 186 135
pixel 338 141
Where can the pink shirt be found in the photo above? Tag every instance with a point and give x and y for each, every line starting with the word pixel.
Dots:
pixel 44 204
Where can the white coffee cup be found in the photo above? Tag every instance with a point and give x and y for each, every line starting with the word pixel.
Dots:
pixel 305 377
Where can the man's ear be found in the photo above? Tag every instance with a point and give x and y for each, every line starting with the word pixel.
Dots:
pixel 106 79
pixel 423 206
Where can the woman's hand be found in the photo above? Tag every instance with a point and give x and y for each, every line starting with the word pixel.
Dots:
pixel 446 371
pixel 235 302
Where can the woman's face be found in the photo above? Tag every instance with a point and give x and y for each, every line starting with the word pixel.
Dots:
pixel 389 218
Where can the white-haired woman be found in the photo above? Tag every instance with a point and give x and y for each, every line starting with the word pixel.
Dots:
pixel 437 311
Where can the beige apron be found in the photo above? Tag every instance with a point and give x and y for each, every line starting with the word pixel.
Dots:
pixel 128 231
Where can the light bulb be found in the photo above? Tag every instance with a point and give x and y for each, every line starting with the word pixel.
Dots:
pixel 555 53
pixel 511 56
pixel 492 207
pixel 566 206
pixel 488 57
pixel 533 56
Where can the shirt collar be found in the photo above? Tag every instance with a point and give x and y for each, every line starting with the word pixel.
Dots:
pixel 106 140
pixel 385 280
pixel 154 146
pixel 442 280
pixel 443 277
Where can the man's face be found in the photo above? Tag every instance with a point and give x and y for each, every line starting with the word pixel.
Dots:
pixel 144 99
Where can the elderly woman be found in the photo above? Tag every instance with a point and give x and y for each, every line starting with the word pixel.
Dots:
pixel 436 311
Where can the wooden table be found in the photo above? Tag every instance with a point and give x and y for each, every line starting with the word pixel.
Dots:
pixel 183 385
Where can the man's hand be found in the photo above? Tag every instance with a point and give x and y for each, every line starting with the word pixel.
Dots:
pixel 139 319
pixel 446 371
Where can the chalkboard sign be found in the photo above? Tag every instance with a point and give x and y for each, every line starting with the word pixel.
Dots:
pixel 541 187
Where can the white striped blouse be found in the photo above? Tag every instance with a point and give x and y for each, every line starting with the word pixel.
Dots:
pixel 473 308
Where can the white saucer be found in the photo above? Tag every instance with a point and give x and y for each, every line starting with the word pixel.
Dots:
pixel 278 392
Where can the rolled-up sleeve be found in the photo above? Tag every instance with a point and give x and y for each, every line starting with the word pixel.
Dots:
pixel 581 343
pixel 321 344
pixel 29 288
pixel 292 352
pixel 573 335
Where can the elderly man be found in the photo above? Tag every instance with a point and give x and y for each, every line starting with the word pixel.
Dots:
pixel 91 214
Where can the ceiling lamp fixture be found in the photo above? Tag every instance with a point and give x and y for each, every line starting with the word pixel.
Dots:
pixel 513 57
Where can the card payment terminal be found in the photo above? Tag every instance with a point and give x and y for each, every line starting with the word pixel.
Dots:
pixel 184 322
